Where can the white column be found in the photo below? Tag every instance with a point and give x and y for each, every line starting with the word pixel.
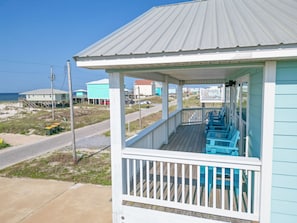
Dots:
pixel 267 140
pixel 117 140
pixel 179 93
pixel 165 113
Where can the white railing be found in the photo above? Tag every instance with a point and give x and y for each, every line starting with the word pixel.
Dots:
pixel 212 184
pixel 154 136
pixel 196 115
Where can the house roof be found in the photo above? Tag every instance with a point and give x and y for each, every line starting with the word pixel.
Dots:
pixel 44 91
pixel 197 26
pixel 143 82
pixel 102 81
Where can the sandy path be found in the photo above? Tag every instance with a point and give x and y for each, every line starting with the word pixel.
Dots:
pixel 19 139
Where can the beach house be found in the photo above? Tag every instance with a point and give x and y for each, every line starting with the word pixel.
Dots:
pixel 45 98
pixel 98 92
pixel 163 174
pixel 80 96
pixel 144 88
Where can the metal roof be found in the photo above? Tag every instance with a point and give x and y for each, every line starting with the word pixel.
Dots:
pixel 102 81
pixel 44 91
pixel 202 25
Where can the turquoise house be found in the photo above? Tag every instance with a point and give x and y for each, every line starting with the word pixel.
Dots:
pixel 80 96
pixel 251 47
pixel 98 92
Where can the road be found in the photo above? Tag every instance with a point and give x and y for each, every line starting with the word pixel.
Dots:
pixel 83 137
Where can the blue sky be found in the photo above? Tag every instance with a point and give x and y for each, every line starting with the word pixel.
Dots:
pixel 36 34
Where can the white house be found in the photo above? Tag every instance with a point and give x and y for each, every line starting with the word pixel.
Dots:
pixel 252 46
pixel 45 97
pixel 144 88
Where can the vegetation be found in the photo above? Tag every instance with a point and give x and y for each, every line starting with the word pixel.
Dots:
pixel 34 122
pixel 3 144
pixel 92 167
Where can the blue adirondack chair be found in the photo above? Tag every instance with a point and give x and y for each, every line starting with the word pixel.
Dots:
pixel 221 133
pixel 223 146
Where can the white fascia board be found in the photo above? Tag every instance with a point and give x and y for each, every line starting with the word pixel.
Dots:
pixel 249 55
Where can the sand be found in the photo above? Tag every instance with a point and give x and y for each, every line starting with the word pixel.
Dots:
pixel 8 111
pixel 19 139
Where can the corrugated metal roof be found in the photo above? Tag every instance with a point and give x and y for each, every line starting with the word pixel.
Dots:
pixel 102 81
pixel 44 91
pixel 203 25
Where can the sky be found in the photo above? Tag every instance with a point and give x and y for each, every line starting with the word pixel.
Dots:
pixel 38 34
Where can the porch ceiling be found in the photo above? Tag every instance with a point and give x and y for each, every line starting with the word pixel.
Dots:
pixel 204 75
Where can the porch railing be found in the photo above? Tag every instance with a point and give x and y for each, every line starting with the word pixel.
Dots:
pixel 212 184
pixel 196 115
pixel 154 136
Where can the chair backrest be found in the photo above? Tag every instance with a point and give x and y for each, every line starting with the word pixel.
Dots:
pixel 234 139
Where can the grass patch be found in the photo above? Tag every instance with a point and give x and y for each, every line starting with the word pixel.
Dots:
pixel 4 145
pixel 92 168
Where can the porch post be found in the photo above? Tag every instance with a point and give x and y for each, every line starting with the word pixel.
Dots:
pixel 117 140
pixel 267 140
pixel 165 108
pixel 180 96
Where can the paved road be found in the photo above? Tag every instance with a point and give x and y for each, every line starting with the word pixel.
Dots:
pixel 85 137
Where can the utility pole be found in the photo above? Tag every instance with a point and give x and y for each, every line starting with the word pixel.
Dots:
pixel 140 123
pixel 71 112
pixel 52 77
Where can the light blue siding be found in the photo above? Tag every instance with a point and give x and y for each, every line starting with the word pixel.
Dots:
pixel 284 170
pixel 98 91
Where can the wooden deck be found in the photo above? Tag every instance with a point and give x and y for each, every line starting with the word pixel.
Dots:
pixel 188 138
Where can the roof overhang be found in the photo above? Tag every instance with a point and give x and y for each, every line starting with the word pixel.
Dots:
pixel 163 60
pixel 201 67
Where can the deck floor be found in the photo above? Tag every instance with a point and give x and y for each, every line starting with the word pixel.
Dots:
pixel 188 138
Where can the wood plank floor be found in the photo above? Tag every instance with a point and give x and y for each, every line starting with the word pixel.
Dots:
pixel 188 138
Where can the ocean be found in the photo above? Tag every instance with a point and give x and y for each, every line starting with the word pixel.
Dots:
pixel 9 96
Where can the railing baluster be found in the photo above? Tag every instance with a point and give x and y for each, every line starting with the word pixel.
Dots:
pixel 147 179
pixel 168 181
pixel 190 185
pixel 161 180
pixel 214 183
pixel 134 177
pixel 183 183
pixel 128 176
pixel 141 177
pixel 155 179
pixel 206 187
pixel 249 183
pixel 223 189
pixel 231 188
pixel 240 192
pixel 175 182
pixel 198 185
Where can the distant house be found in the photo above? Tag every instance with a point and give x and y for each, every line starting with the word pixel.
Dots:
pixel 44 98
pixel 144 88
pixel 80 96
pixel 158 88
pixel 212 94
pixel 98 92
